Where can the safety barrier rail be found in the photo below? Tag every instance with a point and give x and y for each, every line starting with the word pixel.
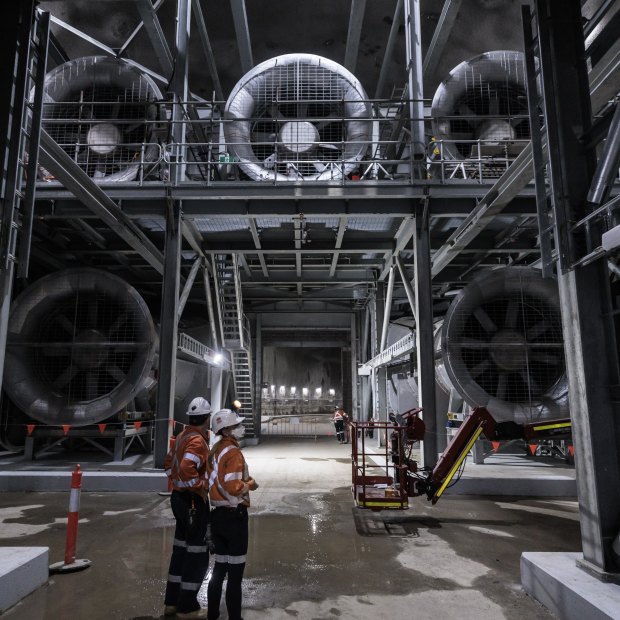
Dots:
pixel 302 425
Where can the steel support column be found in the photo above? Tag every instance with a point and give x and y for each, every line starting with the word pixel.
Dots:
pixel 168 332
pixel 591 356
pixel 258 370
pixel 180 88
pixel 379 374
pixel 355 414
pixel 413 40
pixel 424 336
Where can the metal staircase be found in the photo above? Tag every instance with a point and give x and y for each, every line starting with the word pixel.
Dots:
pixel 237 337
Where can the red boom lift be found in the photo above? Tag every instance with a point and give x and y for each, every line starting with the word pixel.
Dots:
pixel 408 480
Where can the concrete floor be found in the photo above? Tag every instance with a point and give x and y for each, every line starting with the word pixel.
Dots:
pixel 312 554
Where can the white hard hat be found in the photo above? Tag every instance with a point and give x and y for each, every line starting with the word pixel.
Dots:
pixel 223 419
pixel 199 406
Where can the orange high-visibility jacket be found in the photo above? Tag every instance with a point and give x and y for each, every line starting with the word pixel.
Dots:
pixel 186 462
pixel 228 475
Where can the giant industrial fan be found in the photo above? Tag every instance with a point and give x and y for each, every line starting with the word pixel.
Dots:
pixel 502 345
pixel 297 117
pixel 102 112
pixel 481 109
pixel 81 345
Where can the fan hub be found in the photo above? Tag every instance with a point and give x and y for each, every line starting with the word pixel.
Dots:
pixel 298 136
pixel 509 350
pixel 103 138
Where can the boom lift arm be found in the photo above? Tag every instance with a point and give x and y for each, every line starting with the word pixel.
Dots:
pixel 480 421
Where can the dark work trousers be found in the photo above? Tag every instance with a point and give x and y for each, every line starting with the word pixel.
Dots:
pixel 339 424
pixel 229 531
pixel 190 556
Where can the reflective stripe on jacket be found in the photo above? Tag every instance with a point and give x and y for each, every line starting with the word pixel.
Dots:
pixel 228 473
pixel 186 462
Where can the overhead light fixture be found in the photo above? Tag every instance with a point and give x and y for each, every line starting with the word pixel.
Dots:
pixel 217 358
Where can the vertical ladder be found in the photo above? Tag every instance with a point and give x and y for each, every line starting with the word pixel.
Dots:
pixel 21 172
pixel 538 132
pixel 237 336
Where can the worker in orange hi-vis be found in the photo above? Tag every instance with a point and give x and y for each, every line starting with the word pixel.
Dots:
pixel 186 466
pixel 340 419
pixel 229 487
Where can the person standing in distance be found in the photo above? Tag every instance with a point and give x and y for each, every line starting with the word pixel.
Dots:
pixel 339 419
pixel 229 487
pixel 186 466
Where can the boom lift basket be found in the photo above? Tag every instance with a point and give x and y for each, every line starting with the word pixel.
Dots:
pixel 378 481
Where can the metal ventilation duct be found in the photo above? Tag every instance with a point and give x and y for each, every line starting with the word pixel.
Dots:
pixel 102 111
pixel 81 344
pixel 479 101
pixel 502 345
pixel 298 117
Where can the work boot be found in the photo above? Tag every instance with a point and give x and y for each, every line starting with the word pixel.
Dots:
pixel 197 613
pixel 170 610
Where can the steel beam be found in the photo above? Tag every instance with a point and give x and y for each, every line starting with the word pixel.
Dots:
pixel 342 226
pixel 168 333
pixel 356 19
pixel 156 35
pixel 413 43
pixel 407 286
pixel 240 19
pixel 388 309
pixel 403 237
pixel 191 278
pixel 424 337
pixel 386 65
pixel 440 36
pixel 256 238
pixel 180 90
pixel 207 49
pixel 54 159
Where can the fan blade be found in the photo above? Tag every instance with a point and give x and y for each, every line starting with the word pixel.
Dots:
pixel 326 120
pixel 529 381
pixel 116 373
pixel 485 320
pixel 92 385
pixel 547 358
pixel 494 106
pixel 320 167
pixel 129 128
pixel 465 110
pixel 274 111
pixel 501 386
pixel 537 330
pixel 65 377
pixel 263 136
pixel 330 146
pixel 270 162
pixel 478 369
pixel 65 323
pixel 120 321
pixel 511 314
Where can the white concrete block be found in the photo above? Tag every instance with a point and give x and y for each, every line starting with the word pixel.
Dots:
pixel 22 570
pixel 569 592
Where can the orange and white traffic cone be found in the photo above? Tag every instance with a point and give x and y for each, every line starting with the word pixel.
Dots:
pixel 70 564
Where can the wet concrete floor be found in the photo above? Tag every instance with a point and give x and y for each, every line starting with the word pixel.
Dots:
pixel 312 555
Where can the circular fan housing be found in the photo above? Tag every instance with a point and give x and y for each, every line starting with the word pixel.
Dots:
pixel 298 117
pixel 466 104
pixel 81 344
pixel 101 111
pixel 502 345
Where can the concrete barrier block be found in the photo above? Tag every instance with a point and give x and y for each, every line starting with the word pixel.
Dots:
pixel 22 571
